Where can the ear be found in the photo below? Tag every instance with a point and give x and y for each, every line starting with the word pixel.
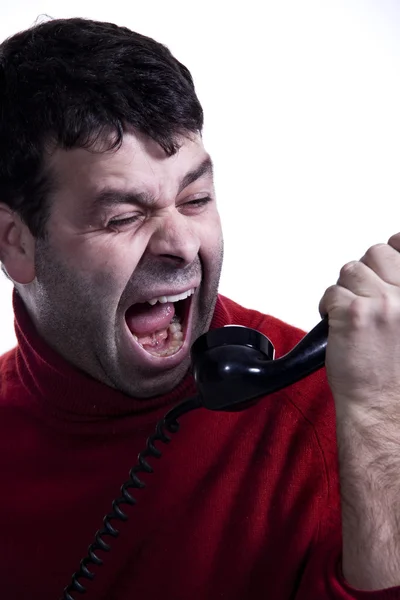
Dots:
pixel 17 246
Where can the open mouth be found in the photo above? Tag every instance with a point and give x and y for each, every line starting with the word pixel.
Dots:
pixel 160 326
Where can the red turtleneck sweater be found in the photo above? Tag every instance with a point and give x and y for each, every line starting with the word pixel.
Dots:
pixel 241 505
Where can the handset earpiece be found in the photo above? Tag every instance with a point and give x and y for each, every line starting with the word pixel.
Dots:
pixel 234 365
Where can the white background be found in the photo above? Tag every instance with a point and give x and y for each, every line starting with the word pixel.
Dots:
pixel 302 107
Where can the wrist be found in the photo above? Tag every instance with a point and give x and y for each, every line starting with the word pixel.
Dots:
pixel 368 441
pixel 373 417
pixel 369 467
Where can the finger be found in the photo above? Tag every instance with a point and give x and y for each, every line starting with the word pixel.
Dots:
pixel 394 241
pixel 360 279
pixel 335 299
pixel 384 260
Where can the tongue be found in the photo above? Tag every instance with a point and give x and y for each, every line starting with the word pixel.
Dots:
pixel 143 319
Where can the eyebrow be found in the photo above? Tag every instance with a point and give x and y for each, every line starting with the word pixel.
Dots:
pixel 110 197
pixel 205 168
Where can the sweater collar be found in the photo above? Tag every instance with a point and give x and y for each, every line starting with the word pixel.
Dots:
pixel 71 393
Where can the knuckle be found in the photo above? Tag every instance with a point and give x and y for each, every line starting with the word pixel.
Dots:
pixel 349 268
pixel 332 298
pixel 331 294
pixel 394 240
pixel 374 251
pixel 389 307
pixel 331 290
pixel 328 299
pixel 358 312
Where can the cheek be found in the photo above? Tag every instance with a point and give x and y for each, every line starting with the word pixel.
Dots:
pixel 117 255
pixel 211 235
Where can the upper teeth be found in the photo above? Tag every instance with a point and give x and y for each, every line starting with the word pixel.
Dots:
pixel 164 299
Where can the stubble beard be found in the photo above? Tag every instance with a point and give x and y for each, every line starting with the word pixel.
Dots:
pixel 81 317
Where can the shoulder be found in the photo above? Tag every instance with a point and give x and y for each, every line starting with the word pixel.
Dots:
pixel 7 363
pixel 9 378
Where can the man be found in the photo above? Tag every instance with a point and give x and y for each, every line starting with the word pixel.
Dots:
pixel 110 233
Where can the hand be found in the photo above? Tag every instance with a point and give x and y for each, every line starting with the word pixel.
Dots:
pixel 363 351
pixel 363 367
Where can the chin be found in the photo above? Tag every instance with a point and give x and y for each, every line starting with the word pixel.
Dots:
pixel 163 383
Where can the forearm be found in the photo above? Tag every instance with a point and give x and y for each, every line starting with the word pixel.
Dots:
pixel 369 464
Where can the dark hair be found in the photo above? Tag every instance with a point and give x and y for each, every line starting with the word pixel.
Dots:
pixel 74 82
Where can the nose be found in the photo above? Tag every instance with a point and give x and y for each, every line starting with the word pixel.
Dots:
pixel 175 239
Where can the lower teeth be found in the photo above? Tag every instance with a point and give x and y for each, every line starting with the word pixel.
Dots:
pixel 175 335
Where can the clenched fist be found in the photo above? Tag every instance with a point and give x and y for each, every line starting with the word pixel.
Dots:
pixel 363 352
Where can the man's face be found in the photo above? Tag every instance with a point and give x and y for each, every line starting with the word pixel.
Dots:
pixel 126 227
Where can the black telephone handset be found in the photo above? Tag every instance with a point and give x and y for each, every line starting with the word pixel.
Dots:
pixel 233 366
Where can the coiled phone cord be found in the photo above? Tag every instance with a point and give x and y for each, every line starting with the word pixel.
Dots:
pixel 168 423
pixel 232 366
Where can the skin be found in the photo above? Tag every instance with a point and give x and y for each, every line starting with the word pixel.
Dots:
pixel 78 284
pixel 363 367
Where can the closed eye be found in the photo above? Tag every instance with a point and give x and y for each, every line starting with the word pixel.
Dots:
pixel 196 203
pixel 199 201
pixel 120 222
